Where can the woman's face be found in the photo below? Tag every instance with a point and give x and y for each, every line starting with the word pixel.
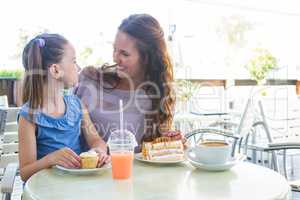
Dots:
pixel 127 57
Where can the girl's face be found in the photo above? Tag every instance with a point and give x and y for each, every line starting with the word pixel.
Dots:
pixel 69 66
pixel 127 57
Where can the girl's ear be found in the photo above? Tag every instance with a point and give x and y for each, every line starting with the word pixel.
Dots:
pixel 55 71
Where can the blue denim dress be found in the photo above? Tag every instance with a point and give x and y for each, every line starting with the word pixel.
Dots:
pixel 53 133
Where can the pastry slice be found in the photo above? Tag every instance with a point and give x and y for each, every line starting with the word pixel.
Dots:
pixel 163 149
pixel 89 160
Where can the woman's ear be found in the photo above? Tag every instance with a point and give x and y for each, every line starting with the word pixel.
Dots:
pixel 55 71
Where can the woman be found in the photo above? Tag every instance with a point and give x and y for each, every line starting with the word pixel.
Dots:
pixel 141 78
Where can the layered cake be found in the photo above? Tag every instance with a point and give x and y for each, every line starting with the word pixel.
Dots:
pixel 163 149
pixel 89 160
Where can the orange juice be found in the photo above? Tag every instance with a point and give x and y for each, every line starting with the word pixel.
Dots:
pixel 121 164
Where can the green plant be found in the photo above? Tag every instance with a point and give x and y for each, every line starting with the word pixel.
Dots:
pixel 184 89
pixel 8 73
pixel 261 64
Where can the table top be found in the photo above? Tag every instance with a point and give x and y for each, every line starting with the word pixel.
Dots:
pixel 152 181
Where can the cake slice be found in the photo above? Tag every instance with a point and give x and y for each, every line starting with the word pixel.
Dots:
pixel 163 149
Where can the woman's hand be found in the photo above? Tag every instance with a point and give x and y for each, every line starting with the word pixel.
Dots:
pixel 175 135
pixel 65 157
pixel 103 157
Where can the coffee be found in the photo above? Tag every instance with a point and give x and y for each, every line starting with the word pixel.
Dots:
pixel 213 144
pixel 211 152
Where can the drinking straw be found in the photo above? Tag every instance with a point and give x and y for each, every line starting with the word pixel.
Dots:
pixel 121 116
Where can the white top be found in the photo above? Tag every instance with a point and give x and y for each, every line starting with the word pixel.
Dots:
pixel 171 182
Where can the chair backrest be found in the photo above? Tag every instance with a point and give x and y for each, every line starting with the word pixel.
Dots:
pixel 247 119
pixel 3 114
pixel 243 128
pixel 264 124
pixel 12 114
pixel 9 154
pixel 263 119
pixel 282 117
pixel 3 101
pixel 8 119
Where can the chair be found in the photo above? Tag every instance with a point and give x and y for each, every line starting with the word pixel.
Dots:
pixel 11 184
pixel 284 146
pixel 238 134
pixel 9 138
pixel 261 146
pixel 3 101
pixel 278 146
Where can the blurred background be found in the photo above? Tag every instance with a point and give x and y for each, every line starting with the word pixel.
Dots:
pixel 221 49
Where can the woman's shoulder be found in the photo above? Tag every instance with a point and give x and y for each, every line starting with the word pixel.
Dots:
pixel 89 79
pixel 98 74
pixel 90 73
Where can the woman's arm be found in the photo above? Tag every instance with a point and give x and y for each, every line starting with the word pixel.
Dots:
pixel 92 137
pixel 28 162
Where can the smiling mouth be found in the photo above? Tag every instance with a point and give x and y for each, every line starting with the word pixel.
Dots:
pixel 120 68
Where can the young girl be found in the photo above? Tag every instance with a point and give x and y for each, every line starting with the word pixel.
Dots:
pixel 50 123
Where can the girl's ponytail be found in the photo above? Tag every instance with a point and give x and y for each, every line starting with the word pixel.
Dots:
pixel 39 54
pixel 35 76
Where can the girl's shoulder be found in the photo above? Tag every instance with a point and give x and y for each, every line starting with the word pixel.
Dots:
pixel 72 116
pixel 29 113
pixel 73 102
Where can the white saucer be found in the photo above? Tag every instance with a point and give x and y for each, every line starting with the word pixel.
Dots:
pixel 139 157
pixel 218 167
pixel 83 171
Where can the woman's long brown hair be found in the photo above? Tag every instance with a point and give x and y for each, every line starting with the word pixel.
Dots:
pixel 156 61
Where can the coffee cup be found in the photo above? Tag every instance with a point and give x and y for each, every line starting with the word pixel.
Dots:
pixel 210 152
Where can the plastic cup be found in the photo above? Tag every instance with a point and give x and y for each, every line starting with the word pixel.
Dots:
pixel 121 146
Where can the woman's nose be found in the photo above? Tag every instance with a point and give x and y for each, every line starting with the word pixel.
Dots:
pixel 116 57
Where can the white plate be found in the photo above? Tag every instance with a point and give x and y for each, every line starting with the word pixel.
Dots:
pixel 219 167
pixel 83 171
pixel 139 157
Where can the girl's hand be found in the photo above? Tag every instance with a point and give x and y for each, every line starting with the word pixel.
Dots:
pixel 175 135
pixel 65 157
pixel 103 157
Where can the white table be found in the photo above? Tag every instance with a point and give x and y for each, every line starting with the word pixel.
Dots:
pixel 173 182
